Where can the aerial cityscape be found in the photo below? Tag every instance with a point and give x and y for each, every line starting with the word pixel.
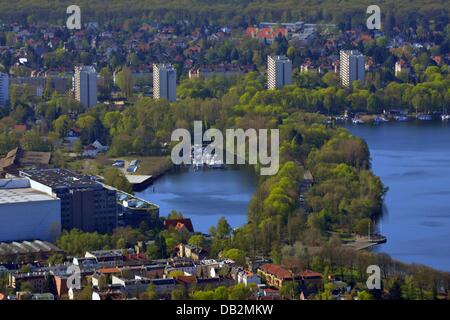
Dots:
pixel 224 150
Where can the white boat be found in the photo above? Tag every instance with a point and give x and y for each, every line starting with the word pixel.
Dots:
pixel 424 117
pixel 357 121
pixel 445 117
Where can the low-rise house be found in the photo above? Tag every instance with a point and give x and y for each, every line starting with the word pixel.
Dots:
pixel 267 34
pixel 92 150
pixel 105 258
pixel 138 285
pixel 270 294
pixel 224 70
pixel 191 251
pixel 132 287
pixel 186 281
pixel 184 265
pixel 247 277
pixel 401 66
pixel 109 294
pixel 256 262
pixel 204 283
pixel 86 262
pixel 310 279
pixel 60 282
pixel 275 275
pixel 36 280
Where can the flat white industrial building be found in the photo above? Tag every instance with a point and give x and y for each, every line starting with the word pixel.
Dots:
pixel 27 213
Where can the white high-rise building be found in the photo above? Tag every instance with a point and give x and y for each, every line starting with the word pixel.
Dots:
pixel 279 72
pixel 164 82
pixel 4 88
pixel 85 86
pixel 352 64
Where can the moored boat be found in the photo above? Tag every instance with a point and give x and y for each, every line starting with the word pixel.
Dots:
pixel 357 121
pixel 424 117
pixel 401 118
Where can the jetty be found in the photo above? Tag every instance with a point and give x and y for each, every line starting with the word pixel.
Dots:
pixel 366 242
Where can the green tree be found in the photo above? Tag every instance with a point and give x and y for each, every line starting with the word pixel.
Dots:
pixel 150 293
pixel 117 179
pixel 223 228
pixel 62 125
pixel 289 289
pixel 125 82
pixel 197 240
pixel 236 255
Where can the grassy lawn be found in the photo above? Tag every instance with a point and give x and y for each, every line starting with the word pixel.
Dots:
pixel 148 165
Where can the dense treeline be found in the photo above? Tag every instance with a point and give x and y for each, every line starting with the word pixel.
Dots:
pixel 235 12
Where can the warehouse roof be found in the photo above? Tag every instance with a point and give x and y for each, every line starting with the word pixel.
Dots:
pixel 57 178
pixel 18 190
pixel 27 247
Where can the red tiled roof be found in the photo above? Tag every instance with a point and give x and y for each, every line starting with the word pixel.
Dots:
pixel 20 128
pixel 136 256
pixel 309 274
pixel 265 33
pixel 187 279
pixel 109 270
pixel 174 222
pixel 277 271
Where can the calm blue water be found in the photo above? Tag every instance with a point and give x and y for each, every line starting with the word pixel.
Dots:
pixel 204 195
pixel 413 160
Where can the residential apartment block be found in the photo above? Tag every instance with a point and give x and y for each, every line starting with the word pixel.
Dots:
pixel 164 82
pixel 85 86
pixel 352 64
pixel 279 72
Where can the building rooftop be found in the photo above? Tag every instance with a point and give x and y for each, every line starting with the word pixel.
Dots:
pixel 27 247
pixel 280 58
pixel 164 66
pixel 60 178
pixel 18 191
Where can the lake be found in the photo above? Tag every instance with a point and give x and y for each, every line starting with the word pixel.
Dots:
pixel 413 161
pixel 204 195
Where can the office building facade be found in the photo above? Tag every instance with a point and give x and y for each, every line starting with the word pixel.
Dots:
pixel 164 82
pixel 279 72
pixel 85 204
pixel 352 67
pixel 85 86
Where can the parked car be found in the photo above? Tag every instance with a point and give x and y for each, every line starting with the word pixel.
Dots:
pixel 119 163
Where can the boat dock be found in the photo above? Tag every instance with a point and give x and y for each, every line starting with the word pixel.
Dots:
pixel 362 243
pixel 139 182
